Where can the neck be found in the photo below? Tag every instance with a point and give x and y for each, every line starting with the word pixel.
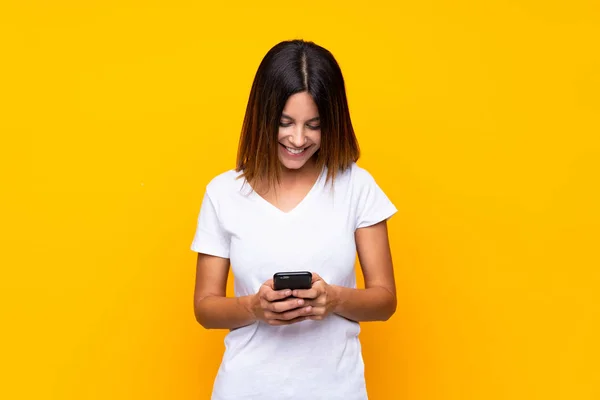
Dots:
pixel 291 178
pixel 309 171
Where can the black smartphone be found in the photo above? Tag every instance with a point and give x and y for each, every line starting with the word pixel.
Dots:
pixel 292 280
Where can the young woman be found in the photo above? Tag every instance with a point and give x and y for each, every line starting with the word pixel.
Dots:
pixel 297 201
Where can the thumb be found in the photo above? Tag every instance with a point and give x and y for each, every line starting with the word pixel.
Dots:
pixel 316 277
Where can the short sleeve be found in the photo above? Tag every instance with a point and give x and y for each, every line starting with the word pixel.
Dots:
pixel 210 237
pixel 373 206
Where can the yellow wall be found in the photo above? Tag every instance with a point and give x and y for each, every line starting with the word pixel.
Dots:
pixel 480 121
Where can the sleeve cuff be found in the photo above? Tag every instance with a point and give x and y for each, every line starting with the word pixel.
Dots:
pixel 208 244
pixel 381 216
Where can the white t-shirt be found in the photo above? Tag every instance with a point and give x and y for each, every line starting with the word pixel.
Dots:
pixel 308 359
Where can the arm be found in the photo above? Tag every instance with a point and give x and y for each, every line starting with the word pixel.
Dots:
pixel 214 310
pixel 377 302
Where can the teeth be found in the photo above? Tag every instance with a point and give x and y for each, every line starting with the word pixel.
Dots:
pixel 294 151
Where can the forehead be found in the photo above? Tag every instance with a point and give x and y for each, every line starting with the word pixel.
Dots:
pixel 300 105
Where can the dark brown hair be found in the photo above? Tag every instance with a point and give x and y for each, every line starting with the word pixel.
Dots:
pixel 291 67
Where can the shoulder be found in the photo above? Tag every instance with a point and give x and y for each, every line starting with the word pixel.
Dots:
pixel 371 202
pixel 354 181
pixel 360 176
pixel 356 177
pixel 362 183
pixel 224 184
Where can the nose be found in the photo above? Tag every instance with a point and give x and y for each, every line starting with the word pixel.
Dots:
pixel 298 138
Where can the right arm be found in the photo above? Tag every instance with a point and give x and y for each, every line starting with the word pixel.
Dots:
pixel 214 310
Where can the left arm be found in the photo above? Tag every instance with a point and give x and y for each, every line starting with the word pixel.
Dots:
pixel 377 302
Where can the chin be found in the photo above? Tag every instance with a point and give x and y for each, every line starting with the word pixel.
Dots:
pixel 292 164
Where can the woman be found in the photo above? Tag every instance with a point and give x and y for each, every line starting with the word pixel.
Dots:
pixel 297 201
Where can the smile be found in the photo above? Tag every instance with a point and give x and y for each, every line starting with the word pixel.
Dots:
pixel 294 151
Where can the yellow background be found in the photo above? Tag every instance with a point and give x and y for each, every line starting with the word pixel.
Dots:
pixel 480 120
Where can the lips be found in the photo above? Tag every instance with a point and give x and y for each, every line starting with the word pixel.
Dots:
pixel 292 151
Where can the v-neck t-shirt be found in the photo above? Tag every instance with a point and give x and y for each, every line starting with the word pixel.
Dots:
pixel 308 359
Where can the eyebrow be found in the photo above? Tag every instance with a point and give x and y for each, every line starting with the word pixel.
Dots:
pixel 310 120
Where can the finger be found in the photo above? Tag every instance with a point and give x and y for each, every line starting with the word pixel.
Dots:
pixel 270 315
pixel 286 305
pixel 268 285
pixel 264 304
pixel 275 295
pixel 316 277
pixel 290 315
pixel 318 302
pixel 273 306
pixel 317 314
pixel 317 311
pixel 306 293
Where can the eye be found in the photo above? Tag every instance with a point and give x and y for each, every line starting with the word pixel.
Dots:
pixel 313 127
pixel 284 124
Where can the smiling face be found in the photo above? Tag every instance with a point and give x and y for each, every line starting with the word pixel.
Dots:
pixel 299 134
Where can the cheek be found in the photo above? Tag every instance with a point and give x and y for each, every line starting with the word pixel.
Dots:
pixel 281 133
pixel 317 138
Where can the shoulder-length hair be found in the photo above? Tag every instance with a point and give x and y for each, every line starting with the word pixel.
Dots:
pixel 291 67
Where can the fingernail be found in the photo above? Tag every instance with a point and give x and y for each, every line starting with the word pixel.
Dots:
pixel 288 292
pixel 300 302
pixel 307 309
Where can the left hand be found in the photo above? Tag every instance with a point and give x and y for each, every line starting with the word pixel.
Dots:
pixel 320 300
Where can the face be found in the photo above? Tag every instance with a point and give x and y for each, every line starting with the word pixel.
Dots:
pixel 299 131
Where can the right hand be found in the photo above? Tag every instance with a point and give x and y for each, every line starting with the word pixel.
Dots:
pixel 272 307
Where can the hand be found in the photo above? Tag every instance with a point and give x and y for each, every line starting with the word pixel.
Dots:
pixel 268 305
pixel 322 297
